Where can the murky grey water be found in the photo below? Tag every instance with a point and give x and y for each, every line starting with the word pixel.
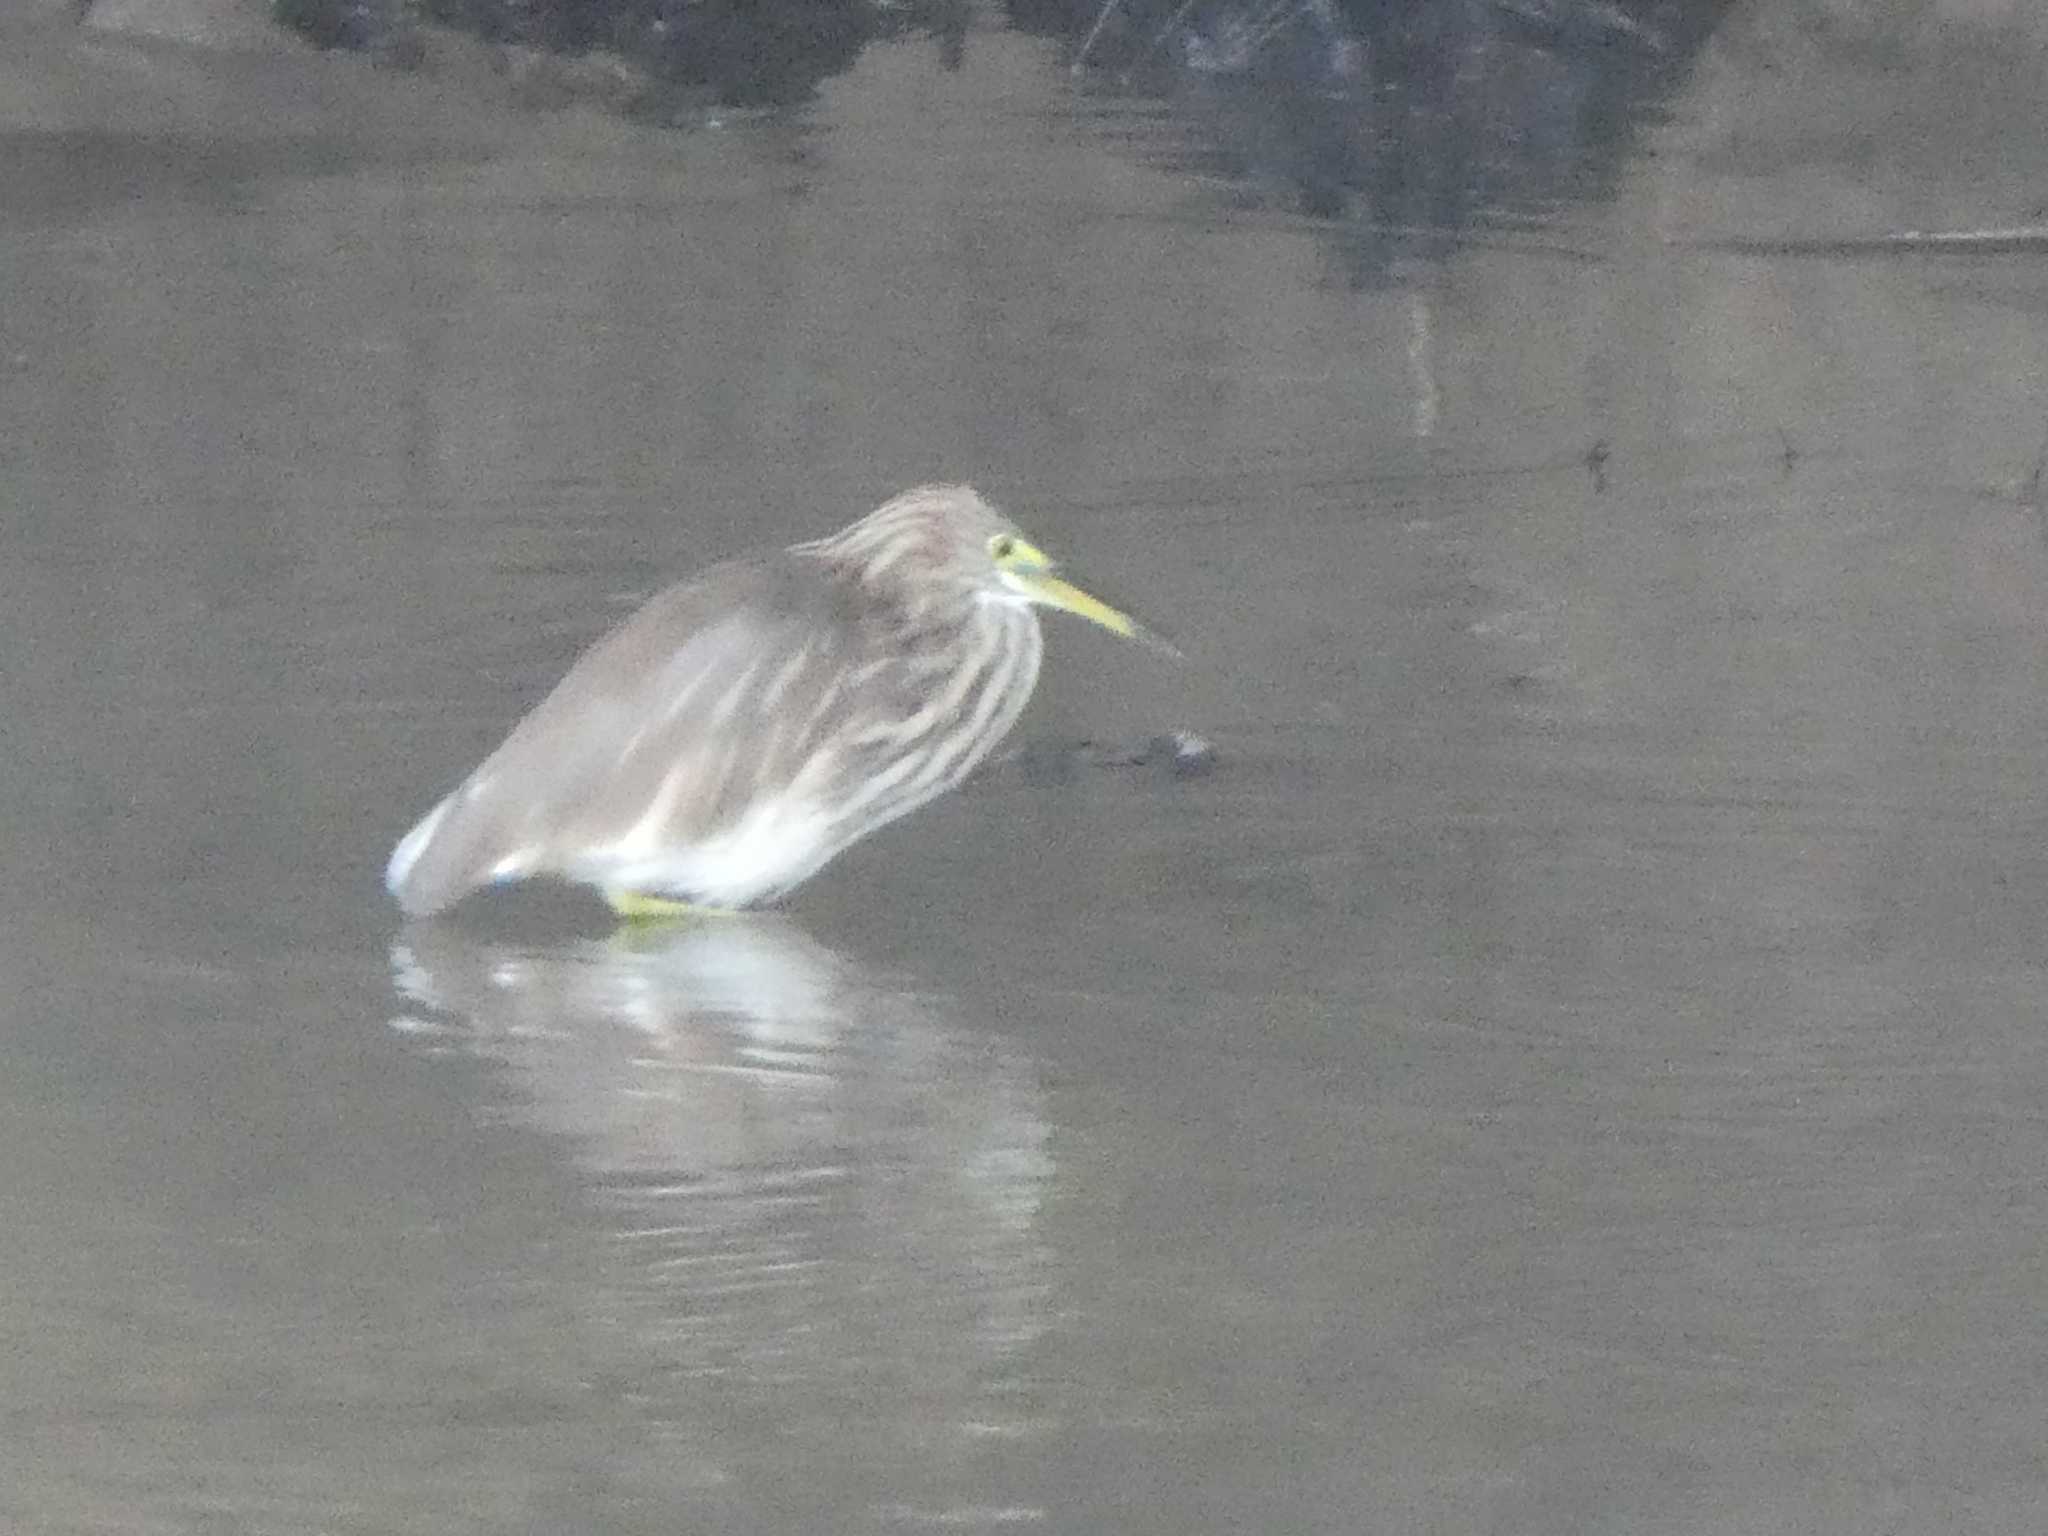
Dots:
pixel 1577 1066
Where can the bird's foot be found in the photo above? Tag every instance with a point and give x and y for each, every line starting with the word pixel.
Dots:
pixel 639 907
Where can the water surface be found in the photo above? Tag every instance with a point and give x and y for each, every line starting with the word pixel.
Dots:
pixel 1575 1066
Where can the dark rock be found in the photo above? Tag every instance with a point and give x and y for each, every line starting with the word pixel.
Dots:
pixel 1176 754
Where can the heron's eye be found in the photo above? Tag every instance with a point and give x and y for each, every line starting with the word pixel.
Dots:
pixel 1002 546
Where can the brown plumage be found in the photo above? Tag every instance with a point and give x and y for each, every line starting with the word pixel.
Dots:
pixel 747 724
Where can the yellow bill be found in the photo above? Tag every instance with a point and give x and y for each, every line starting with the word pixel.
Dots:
pixel 1048 589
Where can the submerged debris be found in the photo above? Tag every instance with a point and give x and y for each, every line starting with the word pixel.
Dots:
pixel 1172 754
pixel 1596 462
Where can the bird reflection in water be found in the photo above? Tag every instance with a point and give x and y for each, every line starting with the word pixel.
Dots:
pixel 813 1176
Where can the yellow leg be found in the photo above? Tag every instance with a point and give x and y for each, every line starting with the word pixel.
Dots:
pixel 639 907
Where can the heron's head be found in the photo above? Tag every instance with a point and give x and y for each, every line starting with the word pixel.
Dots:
pixel 944 543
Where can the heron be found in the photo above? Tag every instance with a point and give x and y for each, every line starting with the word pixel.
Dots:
pixel 749 723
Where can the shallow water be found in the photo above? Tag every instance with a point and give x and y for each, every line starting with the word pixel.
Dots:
pixel 1575 1066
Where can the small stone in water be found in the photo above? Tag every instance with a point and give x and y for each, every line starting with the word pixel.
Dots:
pixel 1184 753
